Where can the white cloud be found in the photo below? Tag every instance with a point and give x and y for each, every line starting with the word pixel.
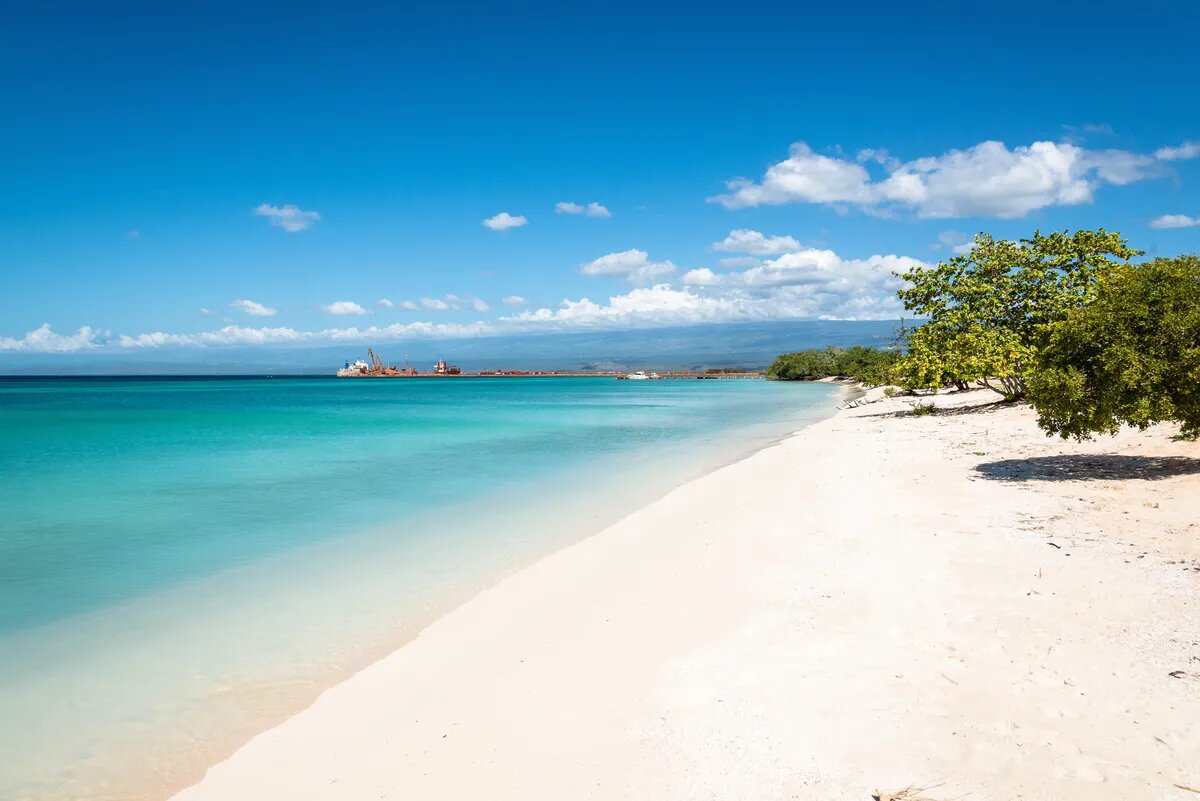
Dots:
pixel 956 241
pixel 663 305
pixel 290 218
pixel 702 276
pixel 452 302
pixel 252 308
pixel 632 265
pixel 1188 150
pixel 831 276
pixel 1175 221
pixel 44 340
pixel 591 209
pixel 207 312
pixel 804 176
pixel 344 307
pixel 806 284
pixel 409 305
pixel 503 221
pixel 513 300
pixel 240 335
pixel 385 303
pixel 743 240
pixel 656 305
pixel 986 180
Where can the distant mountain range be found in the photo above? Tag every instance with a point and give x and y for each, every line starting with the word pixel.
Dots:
pixel 750 345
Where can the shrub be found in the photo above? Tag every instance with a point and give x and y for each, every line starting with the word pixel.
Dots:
pixel 988 310
pixel 871 366
pixel 1132 356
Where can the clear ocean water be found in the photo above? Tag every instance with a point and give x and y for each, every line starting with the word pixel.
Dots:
pixel 185 562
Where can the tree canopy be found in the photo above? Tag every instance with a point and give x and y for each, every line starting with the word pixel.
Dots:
pixel 1131 356
pixel 988 310
pixel 1064 319
pixel 868 365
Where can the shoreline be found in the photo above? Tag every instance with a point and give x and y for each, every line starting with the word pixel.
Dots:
pixel 608 654
pixel 249 703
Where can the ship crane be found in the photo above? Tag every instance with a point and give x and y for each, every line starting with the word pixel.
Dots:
pixel 376 362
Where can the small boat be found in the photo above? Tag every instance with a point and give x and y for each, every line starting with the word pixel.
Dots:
pixel 641 375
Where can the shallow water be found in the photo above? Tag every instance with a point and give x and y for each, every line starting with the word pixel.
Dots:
pixel 184 562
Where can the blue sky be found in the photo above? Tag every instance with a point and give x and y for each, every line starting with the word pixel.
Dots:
pixel 160 164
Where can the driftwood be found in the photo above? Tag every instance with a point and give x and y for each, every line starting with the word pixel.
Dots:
pixel 906 794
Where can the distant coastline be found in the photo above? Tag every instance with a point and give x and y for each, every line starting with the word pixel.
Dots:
pixel 556 374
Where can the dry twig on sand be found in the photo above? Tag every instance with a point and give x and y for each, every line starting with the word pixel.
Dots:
pixel 909 793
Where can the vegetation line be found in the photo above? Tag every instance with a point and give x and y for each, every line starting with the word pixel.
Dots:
pixel 1069 322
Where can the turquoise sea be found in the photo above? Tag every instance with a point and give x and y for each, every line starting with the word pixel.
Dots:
pixel 185 562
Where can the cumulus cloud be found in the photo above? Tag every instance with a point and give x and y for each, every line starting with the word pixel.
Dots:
pixel 805 284
pixel 591 209
pixel 663 304
pixel 830 276
pixel 808 283
pixel 43 339
pixel 1188 150
pixel 701 276
pixel 503 221
pixel 385 303
pixel 743 240
pixel 242 335
pixel 632 265
pixel 290 218
pixel 252 308
pixel 1175 221
pixel 986 180
pixel 409 305
pixel 343 308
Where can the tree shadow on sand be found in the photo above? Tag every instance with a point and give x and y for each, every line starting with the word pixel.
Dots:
pixel 1083 467
pixel 948 411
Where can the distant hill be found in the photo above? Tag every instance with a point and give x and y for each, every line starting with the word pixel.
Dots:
pixel 751 345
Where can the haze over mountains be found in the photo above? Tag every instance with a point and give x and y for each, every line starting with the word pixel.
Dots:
pixel 692 347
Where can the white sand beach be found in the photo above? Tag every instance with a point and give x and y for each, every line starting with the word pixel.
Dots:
pixel 951 601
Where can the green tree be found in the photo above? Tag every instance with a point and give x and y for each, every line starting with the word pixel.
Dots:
pixel 870 365
pixel 1131 356
pixel 988 310
pixel 805 365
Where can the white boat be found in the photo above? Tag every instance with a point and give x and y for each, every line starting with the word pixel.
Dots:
pixel 358 368
pixel 640 375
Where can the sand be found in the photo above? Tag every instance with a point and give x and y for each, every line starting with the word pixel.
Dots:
pixel 951 601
